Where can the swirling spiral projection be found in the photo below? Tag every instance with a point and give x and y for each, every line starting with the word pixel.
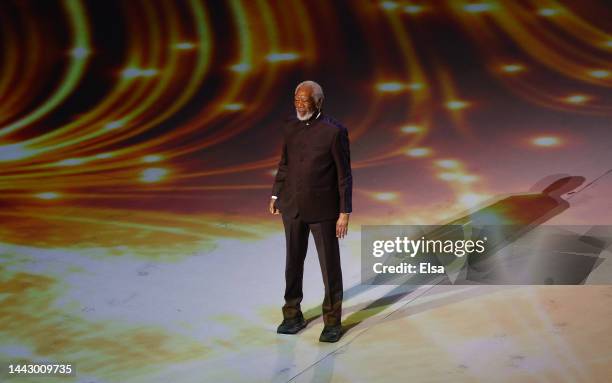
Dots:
pixel 151 129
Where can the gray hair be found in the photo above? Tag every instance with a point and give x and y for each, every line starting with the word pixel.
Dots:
pixel 317 91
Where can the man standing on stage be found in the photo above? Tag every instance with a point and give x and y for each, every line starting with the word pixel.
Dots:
pixel 313 190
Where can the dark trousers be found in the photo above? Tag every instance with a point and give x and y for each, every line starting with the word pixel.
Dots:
pixel 328 250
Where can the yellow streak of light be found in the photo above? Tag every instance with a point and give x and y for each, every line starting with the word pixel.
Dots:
pixel 74 72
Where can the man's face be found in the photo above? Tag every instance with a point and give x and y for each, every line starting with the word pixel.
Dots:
pixel 304 103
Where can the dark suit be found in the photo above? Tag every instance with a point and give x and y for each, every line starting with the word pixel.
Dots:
pixel 313 184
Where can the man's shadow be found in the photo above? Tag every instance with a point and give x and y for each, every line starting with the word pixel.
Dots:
pixel 518 213
pixel 547 255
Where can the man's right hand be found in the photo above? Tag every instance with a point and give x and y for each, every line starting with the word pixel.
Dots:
pixel 273 209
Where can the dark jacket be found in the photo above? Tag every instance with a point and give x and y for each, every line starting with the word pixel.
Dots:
pixel 314 174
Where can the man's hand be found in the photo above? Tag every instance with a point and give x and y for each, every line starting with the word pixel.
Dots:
pixel 342 225
pixel 273 209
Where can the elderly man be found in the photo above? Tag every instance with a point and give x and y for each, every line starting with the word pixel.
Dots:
pixel 312 190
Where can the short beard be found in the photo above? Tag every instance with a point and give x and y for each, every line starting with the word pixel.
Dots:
pixel 306 116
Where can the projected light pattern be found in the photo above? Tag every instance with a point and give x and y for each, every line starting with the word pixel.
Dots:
pixel 151 129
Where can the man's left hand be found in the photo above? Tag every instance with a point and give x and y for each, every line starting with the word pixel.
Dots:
pixel 342 225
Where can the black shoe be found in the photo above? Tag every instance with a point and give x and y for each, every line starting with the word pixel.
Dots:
pixel 291 326
pixel 331 334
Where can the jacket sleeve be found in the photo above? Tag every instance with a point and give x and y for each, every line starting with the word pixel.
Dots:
pixel 342 158
pixel 281 173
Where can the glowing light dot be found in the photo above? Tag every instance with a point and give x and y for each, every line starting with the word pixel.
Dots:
pixel 448 164
pixel 418 152
pixel 599 73
pixel 546 141
pixel 130 72
pixel 14 152
pixel 472 199
pixel 456 104
pixel 71 162
pixel 512 68
pixel 389 5
pixel 273 172
pixel 577 99
pixel 149 72
pixel 385 196
pixel 390 86
pixel 185 45
pixel 546 12
pixel 413 9
pixel 477 7
pixel 458 177
pixel 153 174
pixel 152 158
pixel 276 57
pixel 241 67
pixel 137 72
pixel 415 86
pixel 233 106
pixel 113 125
pixel 409 129
pixel 47 195
pixel 466 178
pixel 79 52
pixel 447 176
